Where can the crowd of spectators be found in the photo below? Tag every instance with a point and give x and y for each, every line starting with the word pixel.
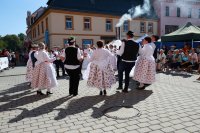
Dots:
pixel 183 59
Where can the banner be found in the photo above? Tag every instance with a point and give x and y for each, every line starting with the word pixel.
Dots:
pixel 3 63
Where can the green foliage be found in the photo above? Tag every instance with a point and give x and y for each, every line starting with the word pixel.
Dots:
pixel 12 42
pixel 21 36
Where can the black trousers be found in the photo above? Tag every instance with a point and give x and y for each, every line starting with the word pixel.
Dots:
pixel 59 64
pixel 127 67
pixel 74 79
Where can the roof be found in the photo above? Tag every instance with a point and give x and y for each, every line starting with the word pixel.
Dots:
pixel 117 8
pixel 188 32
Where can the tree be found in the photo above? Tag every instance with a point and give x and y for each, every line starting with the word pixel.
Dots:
pixel 13 42
pixel 2 44
pixel 22 36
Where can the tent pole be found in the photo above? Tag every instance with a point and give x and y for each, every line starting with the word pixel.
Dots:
pixel 192 43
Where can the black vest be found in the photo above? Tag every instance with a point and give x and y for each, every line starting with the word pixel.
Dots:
pixel 131 49
pixel 33 59
pixel 71 56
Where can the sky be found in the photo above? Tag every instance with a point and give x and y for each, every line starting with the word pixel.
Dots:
pixel 13 14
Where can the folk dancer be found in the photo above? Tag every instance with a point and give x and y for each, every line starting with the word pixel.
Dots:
pixel 72 59
pixel 31 63
pixel 145 68
pixel 100 73
pixel 58 62
pixel 128 52
pixel 44 75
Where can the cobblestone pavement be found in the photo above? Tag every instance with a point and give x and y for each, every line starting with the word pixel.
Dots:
pixel 172 104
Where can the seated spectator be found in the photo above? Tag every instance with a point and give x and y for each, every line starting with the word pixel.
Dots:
pixel 160 60
pixel 185 48
pixel 198 49
pixel 176 60
pixel 186 61
pixel 194 59
pixel 198 62
pixel 169 60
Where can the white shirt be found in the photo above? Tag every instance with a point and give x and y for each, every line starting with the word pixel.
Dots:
pixel 194 57
pixel 101 57
pixel 79 57
pixel 147 51
pixel 153 45
pixel 43 56
pixel 162 57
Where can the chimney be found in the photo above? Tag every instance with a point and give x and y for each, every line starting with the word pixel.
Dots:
pixel 118 33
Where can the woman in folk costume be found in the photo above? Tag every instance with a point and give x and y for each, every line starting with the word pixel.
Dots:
pixel 44 75
pixel 30 64
pixel 87 53
pixel 101 74
pixel 145 66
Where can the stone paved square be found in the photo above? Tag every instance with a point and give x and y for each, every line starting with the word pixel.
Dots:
pixel 172 104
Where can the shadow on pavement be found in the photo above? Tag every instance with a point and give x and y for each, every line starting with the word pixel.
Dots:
pixel 22 90
pixel 20 102
pixel 121 99
pixel 12 75
pixel 41 110
pixel 181 74
pixel 80 105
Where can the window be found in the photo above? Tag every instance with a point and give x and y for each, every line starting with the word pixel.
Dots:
pixel 38 28
pixel 167 11
pixel 65 42
pixel 42 25
pixel 170 28
pixel 47 24
pixel 190 13
pixel 150 27
pixel 69 22
pixel 109 25
pixel 126 26
pixel 34 32
pixel 142 27
pixel 87 23
pixel 178 12
pixel 85 42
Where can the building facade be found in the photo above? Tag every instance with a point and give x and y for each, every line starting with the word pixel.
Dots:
pixel 88 21
pixel 173 14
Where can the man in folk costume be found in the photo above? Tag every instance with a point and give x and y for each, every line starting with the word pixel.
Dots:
pixel 58 62
pixel 72 58
pixel 154 39
pixel 128 52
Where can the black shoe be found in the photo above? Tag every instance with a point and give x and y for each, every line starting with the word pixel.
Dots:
pixel 104 91
pixel 75 95
pixel 29 84
pixel 40 93
pixel 49 93
pixel 141 88
pixel 101 93
pixel 119 88
pixel 125 90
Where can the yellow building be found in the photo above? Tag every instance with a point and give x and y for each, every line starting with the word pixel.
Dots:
pixel 89 21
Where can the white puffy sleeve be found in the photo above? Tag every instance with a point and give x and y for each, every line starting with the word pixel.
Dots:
pixel 47 58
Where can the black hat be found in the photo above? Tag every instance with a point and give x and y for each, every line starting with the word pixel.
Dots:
pixel 71 40
pixel 130 33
